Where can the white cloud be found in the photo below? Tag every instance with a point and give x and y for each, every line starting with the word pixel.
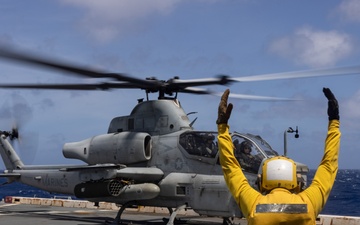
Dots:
pixel 314 48
pixel 107 19
pixel 349 9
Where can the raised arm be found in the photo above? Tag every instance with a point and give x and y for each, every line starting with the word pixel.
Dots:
pixel 319 190
pixel 235 179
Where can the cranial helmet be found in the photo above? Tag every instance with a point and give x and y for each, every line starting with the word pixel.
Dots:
pixel 278 171
pixel 245 144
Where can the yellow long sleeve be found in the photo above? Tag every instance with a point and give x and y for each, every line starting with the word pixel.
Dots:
pixel 235 179
pixel 319 190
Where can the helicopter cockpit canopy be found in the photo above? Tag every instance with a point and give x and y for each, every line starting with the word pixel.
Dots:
pixel 200 143
pixel 250 150
pixel 205 145
pixel 247 153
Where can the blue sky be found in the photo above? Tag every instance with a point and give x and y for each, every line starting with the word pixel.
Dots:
pixel 189 39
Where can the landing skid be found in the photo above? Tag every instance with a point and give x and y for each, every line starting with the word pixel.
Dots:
pixel 176 221
pixel 174 213
pixel 172 220
pixel 227 221
pixel 117 219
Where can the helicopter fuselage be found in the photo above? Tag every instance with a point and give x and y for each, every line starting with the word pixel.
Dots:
pixel 153 157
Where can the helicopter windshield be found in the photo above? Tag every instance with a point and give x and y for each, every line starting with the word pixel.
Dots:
pixel 200 143
pixel 263 145
pixel 250 150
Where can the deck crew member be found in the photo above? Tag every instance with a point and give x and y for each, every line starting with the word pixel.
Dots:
pixel 280 200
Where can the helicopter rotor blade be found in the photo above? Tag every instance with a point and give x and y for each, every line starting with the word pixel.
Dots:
pixel 256 97
pixel 81 87
pixel 221 80
pixel 152 85
pixel 32 59
pixel 182 86
pixel 238 96
pixel 350 70
pixel 199 91
pixel 106 86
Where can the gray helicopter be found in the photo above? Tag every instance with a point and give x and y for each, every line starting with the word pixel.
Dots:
pixel 152 157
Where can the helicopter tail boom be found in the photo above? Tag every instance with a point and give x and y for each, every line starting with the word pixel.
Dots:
pixel 10 157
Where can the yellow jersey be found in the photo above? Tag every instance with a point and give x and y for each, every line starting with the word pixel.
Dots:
pixel 280 206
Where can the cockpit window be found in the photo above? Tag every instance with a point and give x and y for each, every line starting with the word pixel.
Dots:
pixel 263 145
pixel 248 154
pixel 200 143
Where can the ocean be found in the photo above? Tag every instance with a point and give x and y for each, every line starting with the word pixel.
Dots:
pixel 344 198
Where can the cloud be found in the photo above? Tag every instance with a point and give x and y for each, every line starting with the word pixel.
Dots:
pixel 313 48
pixel 17 112
pixel 5 116
pixel 46 103
pixel 107 19
pixel 349 10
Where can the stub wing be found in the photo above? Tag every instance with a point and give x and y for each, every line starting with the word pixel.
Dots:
pixel 141 174
pixel 138 174
pixel 10 175
pixel 92 167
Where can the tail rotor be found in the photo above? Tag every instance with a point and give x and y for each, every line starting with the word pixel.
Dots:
pixel 14 134
pixel 19 114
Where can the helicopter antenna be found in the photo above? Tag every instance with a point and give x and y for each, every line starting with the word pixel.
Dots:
pixel 191 113
pixel 192 123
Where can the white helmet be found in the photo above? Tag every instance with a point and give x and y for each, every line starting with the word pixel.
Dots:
pixel 277 172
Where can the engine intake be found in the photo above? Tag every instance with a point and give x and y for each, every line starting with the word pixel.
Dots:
pixel 117 148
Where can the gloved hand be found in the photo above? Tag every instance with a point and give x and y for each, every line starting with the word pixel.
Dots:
pixel 224 110
pixel 333 106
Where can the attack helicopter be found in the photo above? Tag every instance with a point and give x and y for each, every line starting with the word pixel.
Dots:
pixel 151 157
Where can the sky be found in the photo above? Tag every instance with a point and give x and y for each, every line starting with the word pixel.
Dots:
pixel 190 39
